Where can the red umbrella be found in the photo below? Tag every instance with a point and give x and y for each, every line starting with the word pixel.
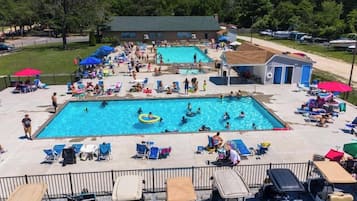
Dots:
pixel 334 86
pixel 27 72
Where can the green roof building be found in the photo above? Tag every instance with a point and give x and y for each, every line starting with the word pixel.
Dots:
pixel 170 28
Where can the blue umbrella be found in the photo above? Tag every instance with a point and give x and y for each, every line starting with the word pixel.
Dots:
pixel 90 61
pixel 223 38
pixel 106 48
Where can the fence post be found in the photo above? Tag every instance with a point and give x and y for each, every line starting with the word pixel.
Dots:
pixel 270 166
pixel 308 170
pixel 70 183
pixel 26 179
pixel 153 180
pixel 193 174
pixel 113 181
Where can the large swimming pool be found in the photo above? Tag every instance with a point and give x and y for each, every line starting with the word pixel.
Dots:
pixel 181 54
pixel 119 117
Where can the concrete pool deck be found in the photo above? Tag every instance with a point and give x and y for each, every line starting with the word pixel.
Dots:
pixel 297 145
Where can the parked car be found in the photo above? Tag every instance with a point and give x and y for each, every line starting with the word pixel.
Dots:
pixel 5 47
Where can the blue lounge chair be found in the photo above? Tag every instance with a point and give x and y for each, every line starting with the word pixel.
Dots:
pixel 69 90
pixel 54 153
pixel 159 89
pixel 77 148
pixel 104 151
pixel 146 81
pixel 239 146
pixel 154 153
pixel 351 127
pixel 141 150
pixel 210 142
pixel 177 89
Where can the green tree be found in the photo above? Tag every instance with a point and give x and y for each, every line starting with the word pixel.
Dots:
pixel 327 21
pixel 352 21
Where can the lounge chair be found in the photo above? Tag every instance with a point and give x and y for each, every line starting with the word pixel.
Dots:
pixel 334 155
pixel 69 89
pixel 165 152
pixel 239 146
pixel 104 151
pixel 88 151
pixel 154 153
pixel 117 87
pixel 177 89
pixel 159 87
pixel 54 153
pixel 351 127
pixel 145 81
pixel 77 148
pixel 141 150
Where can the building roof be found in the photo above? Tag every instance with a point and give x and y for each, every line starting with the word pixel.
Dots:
pixel 254 54
pixel 163 23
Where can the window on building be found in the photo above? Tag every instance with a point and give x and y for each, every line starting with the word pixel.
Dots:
pixel 184 35
pixel 128 35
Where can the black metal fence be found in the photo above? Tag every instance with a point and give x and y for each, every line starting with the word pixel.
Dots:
pixel 101 183
pixel 50 79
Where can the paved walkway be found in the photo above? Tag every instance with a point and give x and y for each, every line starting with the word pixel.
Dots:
pixel 296 145
pixel 331 65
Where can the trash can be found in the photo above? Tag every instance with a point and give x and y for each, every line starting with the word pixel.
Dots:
pixel 342 107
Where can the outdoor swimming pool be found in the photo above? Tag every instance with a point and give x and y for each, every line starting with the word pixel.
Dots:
pixel 187 71
pixel 120 117
pixel 181 54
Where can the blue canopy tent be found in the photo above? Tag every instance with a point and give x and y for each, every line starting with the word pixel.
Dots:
pixel 90 61
pixel 103 51
pixel 223 38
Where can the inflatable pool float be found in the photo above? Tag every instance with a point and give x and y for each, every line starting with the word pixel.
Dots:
pixel 144 118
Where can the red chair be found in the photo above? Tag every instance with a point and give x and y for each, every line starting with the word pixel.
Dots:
pixel 334 155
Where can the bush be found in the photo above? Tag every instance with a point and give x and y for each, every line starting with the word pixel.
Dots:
pixel 92 39
pixel 112 40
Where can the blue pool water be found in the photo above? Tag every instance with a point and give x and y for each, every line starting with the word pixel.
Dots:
pixel 120 117
pixel 187 71
pixel 182 54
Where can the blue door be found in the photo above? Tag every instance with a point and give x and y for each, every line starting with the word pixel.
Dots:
pixel 305 75
pixel 277 75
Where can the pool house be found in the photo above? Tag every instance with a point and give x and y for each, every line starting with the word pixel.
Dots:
pixel 253 63
pixel 159 28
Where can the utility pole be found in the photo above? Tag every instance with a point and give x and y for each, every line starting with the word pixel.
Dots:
pixel 352 66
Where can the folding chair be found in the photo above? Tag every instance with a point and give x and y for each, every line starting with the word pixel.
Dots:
pixel 54 153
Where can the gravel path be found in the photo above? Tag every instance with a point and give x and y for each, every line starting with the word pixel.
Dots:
pixel 334 66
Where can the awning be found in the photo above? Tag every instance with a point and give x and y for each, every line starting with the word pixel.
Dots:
pixel 128 187
pixel 333 172
pixel 230 184
pixel 33 192
pixel 180 189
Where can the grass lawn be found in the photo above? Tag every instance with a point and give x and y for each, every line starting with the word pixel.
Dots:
pixel 49 58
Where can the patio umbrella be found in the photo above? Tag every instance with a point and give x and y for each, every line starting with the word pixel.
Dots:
pixel 351 149
pixel 334 86
pixel 27 72
pixel 90 61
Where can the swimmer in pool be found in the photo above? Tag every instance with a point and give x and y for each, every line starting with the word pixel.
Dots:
pixel 183 120
pixel 104 103
pixel 241 115
pixel 189 107
pixel 86 109
pixel 150 115
pixel 140 110
pixel 226 116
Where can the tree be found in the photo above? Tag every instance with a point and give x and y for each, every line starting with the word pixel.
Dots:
pixel 352 21
pixel 72 15
pixel 327 21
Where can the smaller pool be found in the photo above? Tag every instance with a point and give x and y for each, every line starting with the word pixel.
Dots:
pixel 181 54
pixel 187 71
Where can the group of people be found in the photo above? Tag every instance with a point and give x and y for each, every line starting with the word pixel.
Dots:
pixel 227 156
pixel 194 85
